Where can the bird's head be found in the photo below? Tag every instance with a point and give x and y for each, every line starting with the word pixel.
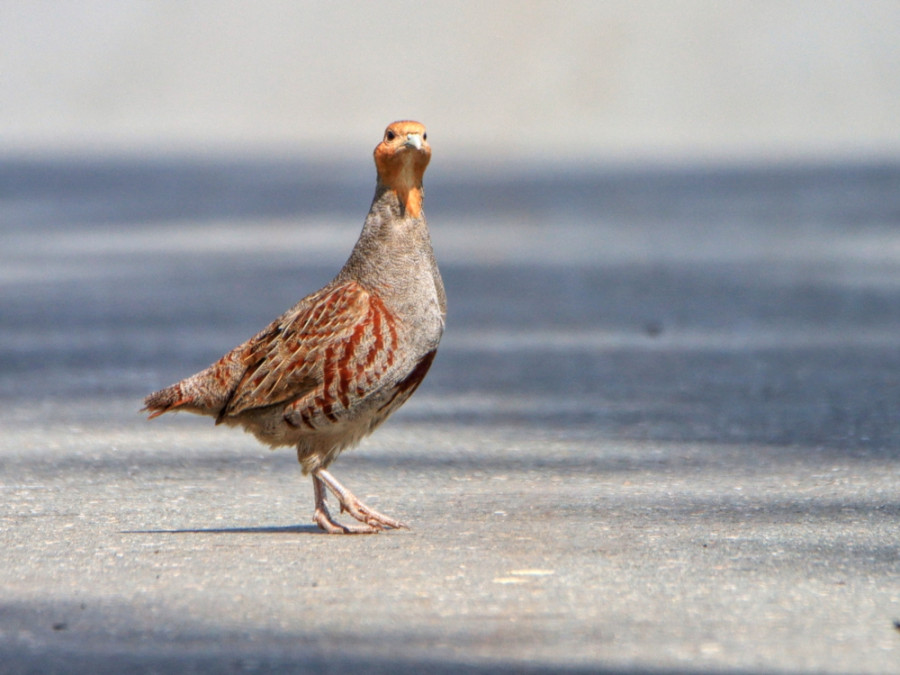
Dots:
pixel 401 159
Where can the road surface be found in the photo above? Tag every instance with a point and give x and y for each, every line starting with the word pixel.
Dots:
pixel 661 434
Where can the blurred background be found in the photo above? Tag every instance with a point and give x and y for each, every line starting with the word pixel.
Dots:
pixel 688 190
pixel 590 81
pixel 698 188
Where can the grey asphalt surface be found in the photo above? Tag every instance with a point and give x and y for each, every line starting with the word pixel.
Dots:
pixel 661 434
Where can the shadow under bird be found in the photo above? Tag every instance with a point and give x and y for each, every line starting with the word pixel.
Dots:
pixel 333 367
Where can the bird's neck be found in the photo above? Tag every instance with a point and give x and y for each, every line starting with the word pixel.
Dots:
pixel 411 199
pixel 403 200
pixel 404 180
pixel 392 238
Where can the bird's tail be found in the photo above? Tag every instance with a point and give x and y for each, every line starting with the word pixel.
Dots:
pixel 165 400
pixel 204 393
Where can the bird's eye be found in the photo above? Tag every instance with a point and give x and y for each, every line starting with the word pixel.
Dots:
pixel 425 136
pixel 390 135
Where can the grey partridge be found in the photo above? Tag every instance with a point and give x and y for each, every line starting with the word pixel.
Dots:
pixel 332 368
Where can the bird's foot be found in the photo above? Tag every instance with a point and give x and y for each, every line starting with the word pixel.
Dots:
pixel 369 516
pixel 323 519
pixel 372 520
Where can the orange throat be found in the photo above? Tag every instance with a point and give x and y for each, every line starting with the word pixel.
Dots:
pixel 411 199
pixel 402 174
pixel 405 180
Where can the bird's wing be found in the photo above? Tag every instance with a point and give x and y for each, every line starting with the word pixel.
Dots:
pixel 311 346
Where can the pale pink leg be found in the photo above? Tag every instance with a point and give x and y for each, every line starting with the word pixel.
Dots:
pixel 323 519
pixel 372 519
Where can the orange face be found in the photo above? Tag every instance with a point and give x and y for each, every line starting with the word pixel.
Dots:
pixel 405 134
pixel 401 159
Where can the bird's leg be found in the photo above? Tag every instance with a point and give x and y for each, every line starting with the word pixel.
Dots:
pixel 352 505
pixel 323 519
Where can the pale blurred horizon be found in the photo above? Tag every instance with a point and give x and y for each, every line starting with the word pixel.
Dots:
pixel 582 81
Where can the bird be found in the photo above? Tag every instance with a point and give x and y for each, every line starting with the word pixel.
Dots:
pixel 331 369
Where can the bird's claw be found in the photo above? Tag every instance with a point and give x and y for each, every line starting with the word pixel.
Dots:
pixel 323 519
pixel 372 521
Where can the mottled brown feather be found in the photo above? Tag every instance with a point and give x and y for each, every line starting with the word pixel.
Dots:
pixel 293 365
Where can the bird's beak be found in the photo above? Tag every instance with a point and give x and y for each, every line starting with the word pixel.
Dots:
pixel 414 141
